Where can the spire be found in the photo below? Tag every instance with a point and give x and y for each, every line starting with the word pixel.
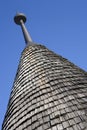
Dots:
pixel 20 19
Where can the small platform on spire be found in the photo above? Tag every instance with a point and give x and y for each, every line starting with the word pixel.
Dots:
pixel 19 17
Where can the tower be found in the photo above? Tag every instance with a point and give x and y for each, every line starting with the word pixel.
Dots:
pixel 49 92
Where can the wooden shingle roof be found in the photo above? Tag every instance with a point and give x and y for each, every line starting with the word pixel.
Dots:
pixel 49 93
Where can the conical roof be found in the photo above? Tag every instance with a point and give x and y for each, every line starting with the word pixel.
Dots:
pixel 49 93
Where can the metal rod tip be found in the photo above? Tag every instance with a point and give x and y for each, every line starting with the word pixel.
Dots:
pixel 19 17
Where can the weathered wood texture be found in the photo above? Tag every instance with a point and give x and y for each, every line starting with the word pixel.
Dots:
pixel 49 93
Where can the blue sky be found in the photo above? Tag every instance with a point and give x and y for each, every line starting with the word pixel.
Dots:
pixel 60 25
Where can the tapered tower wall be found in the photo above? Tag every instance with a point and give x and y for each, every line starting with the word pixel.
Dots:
pixel 49 93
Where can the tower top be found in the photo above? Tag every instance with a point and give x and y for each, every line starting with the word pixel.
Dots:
pixel 20 19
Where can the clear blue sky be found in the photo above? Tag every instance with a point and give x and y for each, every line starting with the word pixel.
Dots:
pixel 60 25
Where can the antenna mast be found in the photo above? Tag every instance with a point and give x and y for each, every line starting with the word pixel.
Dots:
pixel 20 19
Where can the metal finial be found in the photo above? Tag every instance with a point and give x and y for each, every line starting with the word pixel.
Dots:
pixel 20 19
